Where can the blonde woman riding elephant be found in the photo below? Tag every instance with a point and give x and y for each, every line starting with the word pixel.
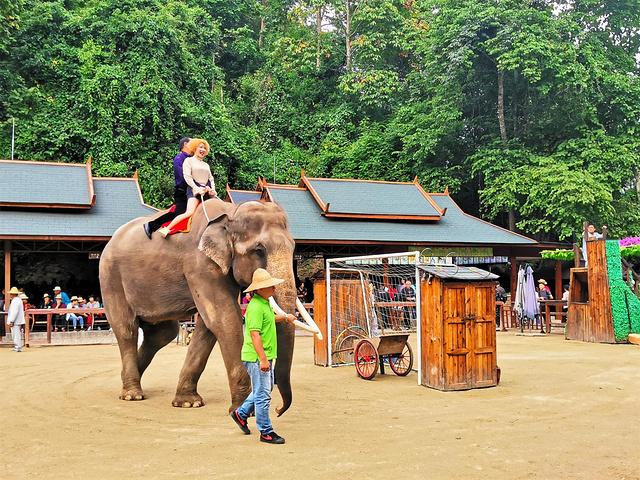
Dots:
pixel 154 284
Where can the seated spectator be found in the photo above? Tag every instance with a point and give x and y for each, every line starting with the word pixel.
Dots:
pixel 544 293
pixel 92 303
pixel 82 304
pixel 407 294
pixel 382 295
pixel 302 293
pixel 73 317
pixel 543 283
pixel 65 298
pixel 308 284
pixel 392 291
pixel 246 299
pixel 24 298
pixel 95 317
pixel 46 302
pixel 59 321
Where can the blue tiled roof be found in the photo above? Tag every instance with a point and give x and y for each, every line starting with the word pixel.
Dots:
pixel 117 202
pixel 44 183
pixel 453 272
pixel 363 197
pixel 454 228
pixel 241 196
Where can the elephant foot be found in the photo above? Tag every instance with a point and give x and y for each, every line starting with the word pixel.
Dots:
pixel 188 401
pixel 132 395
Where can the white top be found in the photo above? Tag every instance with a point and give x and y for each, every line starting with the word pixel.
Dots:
pixel 16 312
pixel 195 170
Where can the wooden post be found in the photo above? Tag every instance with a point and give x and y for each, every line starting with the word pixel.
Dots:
pixel 576 255
pixel 320 347
pixel 385 266
pixel 514 278
pixel 558 279
pixel 7 272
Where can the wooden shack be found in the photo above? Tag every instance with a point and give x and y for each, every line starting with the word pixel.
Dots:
pixel 347 303
pixel 458 328
pixel 589 315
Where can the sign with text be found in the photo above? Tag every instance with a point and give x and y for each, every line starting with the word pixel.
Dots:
pixel 454 251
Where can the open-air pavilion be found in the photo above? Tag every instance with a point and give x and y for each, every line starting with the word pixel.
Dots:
pixel 49 210
pixel 343 217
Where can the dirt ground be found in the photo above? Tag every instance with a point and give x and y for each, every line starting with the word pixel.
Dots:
pixel 563 409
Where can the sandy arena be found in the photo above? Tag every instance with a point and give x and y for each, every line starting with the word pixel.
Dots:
pixel 563 410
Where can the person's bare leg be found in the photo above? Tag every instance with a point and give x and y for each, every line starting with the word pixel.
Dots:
pixel 191 208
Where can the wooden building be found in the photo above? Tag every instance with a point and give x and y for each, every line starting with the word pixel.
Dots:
pixel 50 209
pixel 458 328
pixel 589 315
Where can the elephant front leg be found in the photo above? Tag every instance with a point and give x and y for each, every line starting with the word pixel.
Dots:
pixel 239 380
pixel 200 347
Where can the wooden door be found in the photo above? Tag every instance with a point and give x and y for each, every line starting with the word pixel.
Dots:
pixel 482 333
pixel 469 336
pixel 456 371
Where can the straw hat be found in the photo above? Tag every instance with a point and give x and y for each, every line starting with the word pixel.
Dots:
pixel 57 289
pixel 542 281
pixel 45 295
pixel 23 296
pixel 73 298
pixel 59 296
pixel 14 291
pixel 262 279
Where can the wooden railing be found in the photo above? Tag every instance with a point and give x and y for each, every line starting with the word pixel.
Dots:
pixel 509 319
pixel 30 317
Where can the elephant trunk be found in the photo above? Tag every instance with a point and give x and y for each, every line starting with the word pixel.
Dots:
pixel 281 266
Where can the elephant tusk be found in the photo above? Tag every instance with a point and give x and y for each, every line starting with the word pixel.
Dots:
pixel 307 318
pixel 276 307
pixel 312 327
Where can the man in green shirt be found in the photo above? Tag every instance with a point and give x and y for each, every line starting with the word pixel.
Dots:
pixel 259 349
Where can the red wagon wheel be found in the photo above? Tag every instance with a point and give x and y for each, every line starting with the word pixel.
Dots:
pixel 366 358
pixel 401 364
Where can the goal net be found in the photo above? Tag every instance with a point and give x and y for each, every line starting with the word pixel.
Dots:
pixel 368 297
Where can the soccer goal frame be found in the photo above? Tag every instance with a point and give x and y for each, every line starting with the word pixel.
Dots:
pixel 360 276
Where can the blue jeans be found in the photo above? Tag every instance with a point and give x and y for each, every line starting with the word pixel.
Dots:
pixel 74 319
pixel 259 399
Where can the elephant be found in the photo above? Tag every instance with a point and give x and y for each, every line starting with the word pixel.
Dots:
pixel 153 284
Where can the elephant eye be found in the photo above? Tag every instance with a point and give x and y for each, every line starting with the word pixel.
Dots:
pixel 260 250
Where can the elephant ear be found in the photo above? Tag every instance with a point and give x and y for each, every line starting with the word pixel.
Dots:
pixel 216 243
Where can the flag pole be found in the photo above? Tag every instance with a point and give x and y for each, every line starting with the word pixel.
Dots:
pixel 13 136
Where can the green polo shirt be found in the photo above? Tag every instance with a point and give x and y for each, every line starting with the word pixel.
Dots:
pixel 259 317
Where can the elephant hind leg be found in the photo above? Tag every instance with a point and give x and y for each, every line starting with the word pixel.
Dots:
pixel 200 348
pixel 125 328
pixel 156 336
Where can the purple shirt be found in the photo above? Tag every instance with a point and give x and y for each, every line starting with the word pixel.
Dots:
pixel 177 169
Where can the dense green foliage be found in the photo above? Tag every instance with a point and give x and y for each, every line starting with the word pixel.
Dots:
pixel 527 111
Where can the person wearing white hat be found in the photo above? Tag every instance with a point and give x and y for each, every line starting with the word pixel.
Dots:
pixel 75 317
pixel 259 349
pixel 46 302
pixel 58 291
pixel 15 318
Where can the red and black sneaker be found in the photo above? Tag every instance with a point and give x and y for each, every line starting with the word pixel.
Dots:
pixel 240 422
pixel 271 437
